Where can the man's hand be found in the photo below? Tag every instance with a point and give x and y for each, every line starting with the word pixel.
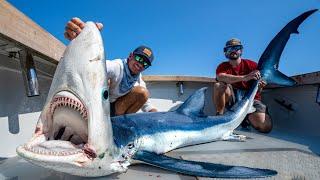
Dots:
pixel 253 75
pixel 261 85
pixel 74 28
pixel 153 110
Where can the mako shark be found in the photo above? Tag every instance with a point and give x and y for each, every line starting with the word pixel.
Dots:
pixel 76 135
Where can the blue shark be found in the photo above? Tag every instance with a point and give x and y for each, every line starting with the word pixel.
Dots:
pixel 147 136
pixel 76 135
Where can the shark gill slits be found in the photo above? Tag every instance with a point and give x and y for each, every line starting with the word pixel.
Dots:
pixel 105 94
pixel 101 156
pixel 60 133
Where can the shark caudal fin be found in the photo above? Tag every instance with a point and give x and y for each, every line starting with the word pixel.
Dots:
pixel 194 105
pixel 269 60
pixel 202 169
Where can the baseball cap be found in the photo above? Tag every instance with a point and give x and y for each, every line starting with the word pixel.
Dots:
pixel 144 51
pixel 233 42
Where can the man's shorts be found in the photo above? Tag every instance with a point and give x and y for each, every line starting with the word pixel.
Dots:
pixel 260 107
pixel 113 109
pixel 237 95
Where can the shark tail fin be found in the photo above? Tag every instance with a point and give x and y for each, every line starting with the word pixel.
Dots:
pixel 202 169
pixel 269 60
pixel 194 105
pixel 277 77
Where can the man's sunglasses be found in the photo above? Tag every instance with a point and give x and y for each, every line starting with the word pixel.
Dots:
pixel 232 48
pixel 143 62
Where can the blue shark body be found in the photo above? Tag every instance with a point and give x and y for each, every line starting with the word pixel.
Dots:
pixel 161 132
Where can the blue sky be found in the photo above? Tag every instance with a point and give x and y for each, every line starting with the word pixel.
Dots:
pixel 187 36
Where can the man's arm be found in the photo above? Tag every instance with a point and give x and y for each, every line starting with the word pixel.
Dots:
pixel 113 69
pixel 147 107
pixel 230 79
pixel 74 28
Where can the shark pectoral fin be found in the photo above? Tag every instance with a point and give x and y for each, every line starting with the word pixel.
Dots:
pixel 277 77
pixel 194 104
pixel 234 137
pixel 202 169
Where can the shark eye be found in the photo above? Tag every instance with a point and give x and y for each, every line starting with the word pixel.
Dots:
pixel 105 94
pixel 130 145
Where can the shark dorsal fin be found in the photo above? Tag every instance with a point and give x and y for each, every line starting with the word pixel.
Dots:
pixel 194 105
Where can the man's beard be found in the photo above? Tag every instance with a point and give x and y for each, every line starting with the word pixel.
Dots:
pixel 233 55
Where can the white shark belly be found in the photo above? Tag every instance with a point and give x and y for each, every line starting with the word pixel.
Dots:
pixel 166 141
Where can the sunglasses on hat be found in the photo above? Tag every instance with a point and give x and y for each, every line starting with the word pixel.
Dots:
pixel 142 61
pixel 232 48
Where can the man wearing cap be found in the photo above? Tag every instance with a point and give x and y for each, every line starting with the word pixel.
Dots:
pixel 234 78
pixel 128 92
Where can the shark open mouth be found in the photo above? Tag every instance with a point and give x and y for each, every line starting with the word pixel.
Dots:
pixel 64 129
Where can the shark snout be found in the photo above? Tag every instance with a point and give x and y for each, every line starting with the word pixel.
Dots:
pixel 74 128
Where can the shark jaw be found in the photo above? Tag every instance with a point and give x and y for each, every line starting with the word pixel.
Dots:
pixel 74 133
pixel 61 135
pixel 60 141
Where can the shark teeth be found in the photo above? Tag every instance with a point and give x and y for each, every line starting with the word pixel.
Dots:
pixel 75 104
pixel 42 151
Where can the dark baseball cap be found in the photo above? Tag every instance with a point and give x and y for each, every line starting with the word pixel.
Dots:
pixel 144 51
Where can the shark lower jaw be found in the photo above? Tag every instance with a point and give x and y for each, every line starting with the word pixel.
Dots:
pixel 61 135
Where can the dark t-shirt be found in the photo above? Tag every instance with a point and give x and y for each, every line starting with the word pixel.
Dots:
pixel 245 67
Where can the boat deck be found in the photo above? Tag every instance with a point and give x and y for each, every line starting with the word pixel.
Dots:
pixel 283 153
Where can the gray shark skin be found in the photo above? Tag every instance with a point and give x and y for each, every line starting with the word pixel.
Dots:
pixel 76 135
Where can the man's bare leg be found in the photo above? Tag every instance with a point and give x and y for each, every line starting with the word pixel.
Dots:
pixel 221 95
pixel 131 102
pixel 261 122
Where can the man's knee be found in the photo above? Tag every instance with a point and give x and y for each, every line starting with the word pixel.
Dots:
pixel 219 87
pixel 266 127
pixel 260 122
pixel 141 93
pixel 222 88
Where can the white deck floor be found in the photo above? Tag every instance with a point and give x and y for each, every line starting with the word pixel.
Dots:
pixel 274 151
